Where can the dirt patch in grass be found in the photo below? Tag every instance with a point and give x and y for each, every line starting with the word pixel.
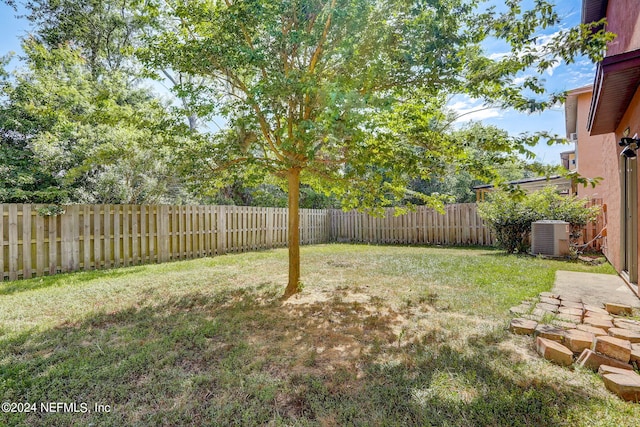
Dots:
pixel 340 333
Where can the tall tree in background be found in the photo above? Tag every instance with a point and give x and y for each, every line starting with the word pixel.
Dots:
pixel 22 180
pixel 73 138
pixel 106 33
pixel 103 30
pixel 347 95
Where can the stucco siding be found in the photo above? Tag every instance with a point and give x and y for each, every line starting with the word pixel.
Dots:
pixel 623 19
pixel 590 152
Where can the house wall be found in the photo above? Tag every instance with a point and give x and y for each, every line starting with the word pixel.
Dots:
pixel 623 19
pixel 609 189
pixel 611 196
pixel 631 119
pixel 590 153
pixel 568 160
pixel 599 156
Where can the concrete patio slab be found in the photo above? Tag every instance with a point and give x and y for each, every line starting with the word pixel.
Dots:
pixel 596 289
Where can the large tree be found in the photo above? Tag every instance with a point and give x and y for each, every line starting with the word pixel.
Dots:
pixel 104 30
pixel 347 95
pixel 66 136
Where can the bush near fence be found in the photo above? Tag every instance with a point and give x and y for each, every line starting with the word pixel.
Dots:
pixel 88 237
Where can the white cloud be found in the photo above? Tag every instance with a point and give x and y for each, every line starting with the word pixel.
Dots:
pixel 497 55
pixel 580 78
pixel 544 39
pixel 552 67
pixel 481 114
pixel 520 80
pixel 472 109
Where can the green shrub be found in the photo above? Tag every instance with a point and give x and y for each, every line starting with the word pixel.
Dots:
pixel 511 217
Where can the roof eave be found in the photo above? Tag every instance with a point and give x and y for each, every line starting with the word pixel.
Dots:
pixel 616 82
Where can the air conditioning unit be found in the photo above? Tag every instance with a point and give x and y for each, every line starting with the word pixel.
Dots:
pixel 550 238
pixel 573 137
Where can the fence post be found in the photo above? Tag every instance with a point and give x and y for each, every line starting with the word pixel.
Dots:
pixel 26 241
pixel 13 242
pixel 269 237
pixel 107 235
pixel 86 237
pixel 97 233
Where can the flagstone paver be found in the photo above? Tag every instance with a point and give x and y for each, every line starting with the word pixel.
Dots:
pixel 625 334
pixel 549 332
pixel 552 301
pixel 577 341
pixel 626 386
pixel 565 325
pixel 520 309
pixel 554 351
pixel 595 309
pixel 598 323
pixel 592 329
pixel 572 304
pixel 552 308
pixel 619 309
pixel 613 347
pixel 569 318
pixel 633 325
pixel 591 360
pixel 608 369
pixel 571 311
pixel 604 341
pixel 521 326
pixel 597 315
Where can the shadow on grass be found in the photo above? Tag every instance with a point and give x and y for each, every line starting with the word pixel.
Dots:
pixel 243 358
pixel 8 288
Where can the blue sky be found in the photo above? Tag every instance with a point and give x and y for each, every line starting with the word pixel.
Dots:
pixel 560 78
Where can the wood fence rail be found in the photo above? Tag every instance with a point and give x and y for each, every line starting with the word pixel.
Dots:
pixel 87 237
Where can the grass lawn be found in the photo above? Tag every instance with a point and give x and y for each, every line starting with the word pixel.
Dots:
pixel 379 336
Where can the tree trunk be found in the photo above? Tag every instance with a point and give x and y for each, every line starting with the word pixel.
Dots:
pixel 293 287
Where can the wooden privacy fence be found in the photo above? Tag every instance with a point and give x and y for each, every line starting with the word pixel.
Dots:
pixel 591 238
pixel 88 237
pixel 459 225
pixel 103 236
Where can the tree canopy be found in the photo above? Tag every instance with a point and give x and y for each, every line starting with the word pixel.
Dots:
pixel 348 95
pixel 70 137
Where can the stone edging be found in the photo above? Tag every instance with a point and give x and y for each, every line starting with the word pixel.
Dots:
pixel 600 338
